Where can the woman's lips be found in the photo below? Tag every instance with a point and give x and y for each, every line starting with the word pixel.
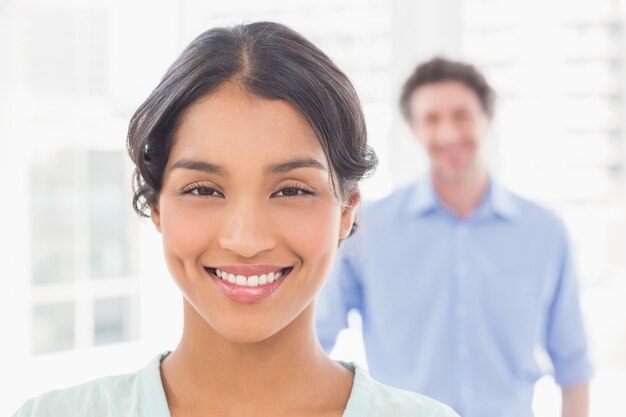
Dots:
pixel 248 270
pixel 248 288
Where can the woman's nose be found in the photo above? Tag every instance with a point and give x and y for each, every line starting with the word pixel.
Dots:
pixel 247 231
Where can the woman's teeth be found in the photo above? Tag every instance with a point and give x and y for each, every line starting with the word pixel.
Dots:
pixel 251 281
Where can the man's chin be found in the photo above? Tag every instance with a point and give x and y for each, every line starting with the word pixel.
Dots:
pixel 455 175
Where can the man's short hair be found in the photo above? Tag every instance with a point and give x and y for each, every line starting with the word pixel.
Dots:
pixel 440 70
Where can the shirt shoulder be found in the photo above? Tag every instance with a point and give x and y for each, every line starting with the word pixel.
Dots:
pixel 103 397
pixel 370 398
pixel 391 205
pixel 532 214
pixel 389 401
pixel 377 219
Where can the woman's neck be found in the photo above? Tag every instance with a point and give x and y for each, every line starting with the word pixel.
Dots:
pixel 208 373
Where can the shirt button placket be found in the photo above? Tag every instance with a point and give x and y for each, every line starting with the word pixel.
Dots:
pixel 461 312
pixel 463 352
pixel 460 269
pixel 465 392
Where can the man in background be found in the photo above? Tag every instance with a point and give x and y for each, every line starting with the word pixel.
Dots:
pixel 462 285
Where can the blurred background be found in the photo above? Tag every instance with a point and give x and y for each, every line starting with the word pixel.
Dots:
pixel 84 291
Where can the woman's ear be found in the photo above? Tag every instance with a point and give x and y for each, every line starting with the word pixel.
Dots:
pixel 348 214
pixel 155 216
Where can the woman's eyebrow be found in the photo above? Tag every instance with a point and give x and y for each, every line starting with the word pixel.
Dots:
pixel 197 166
pixel 277 168
pixel 282 167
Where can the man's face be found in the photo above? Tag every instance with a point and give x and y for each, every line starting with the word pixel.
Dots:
pixel 448 118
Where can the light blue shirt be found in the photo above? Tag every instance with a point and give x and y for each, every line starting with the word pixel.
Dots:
pixel 460 310
pixel 141 394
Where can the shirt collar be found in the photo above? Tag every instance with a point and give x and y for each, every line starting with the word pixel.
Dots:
pixel 423 199
pixel 502 202
pixel 153 397
pixel 497 200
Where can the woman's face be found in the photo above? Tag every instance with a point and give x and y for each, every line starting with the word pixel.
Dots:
pixel 249 219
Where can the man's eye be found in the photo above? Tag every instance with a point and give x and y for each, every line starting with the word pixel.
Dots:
pixel 430 120
pixel 462 116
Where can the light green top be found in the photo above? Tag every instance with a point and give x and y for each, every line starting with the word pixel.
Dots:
pixel 141 394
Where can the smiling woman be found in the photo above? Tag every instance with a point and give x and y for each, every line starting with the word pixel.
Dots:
pixel 247 191
pixel 248 156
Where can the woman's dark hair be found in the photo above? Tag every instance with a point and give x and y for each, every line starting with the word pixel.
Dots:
pixel 267 60
pixel 439 70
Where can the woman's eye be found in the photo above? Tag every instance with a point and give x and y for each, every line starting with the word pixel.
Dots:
pixel 203 191
pixel 292 192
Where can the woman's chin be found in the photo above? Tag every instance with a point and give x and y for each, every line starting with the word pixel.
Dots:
pixel 246 333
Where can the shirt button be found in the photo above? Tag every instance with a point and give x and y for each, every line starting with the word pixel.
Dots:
pixel 465 392
pixel 461 311
pixel 461 269
pixel 463 352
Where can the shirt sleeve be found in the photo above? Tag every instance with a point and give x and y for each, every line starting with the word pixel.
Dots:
pixel 36 407
pixel 566 339
pixel 341 293
pixel 25 410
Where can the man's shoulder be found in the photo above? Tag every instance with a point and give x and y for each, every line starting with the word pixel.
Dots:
pixel 102 397
pixel 394 203
pixel 389 401
pixel 531 212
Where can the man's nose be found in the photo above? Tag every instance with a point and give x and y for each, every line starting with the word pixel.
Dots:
pixel 448 132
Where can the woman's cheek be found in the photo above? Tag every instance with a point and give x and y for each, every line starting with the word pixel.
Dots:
pixel 310 230
pixel 187 230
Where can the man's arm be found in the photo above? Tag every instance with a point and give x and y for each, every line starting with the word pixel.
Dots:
pixel 575 401
pixel 566 339
pixel 341 294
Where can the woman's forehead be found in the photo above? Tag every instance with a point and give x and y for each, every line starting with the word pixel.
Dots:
pixel 231 124
pixel 233 112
